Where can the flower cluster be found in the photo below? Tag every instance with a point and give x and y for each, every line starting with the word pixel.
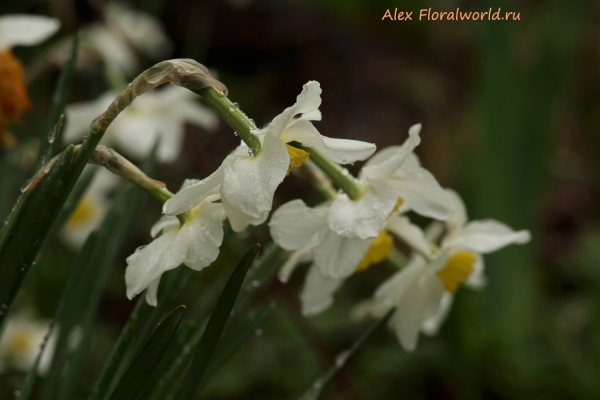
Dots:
pixel 355 228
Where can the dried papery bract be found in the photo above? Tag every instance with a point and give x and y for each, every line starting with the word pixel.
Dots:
pixel 186 73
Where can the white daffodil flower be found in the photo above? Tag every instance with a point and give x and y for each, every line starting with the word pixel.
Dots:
pixel 21 341
pixel 123 31
pixel 195 243
pixel 17 30
pixel 422 292
pixel 157 115
pixel 248 181
pixel 90 211
pixel 25 30
pixel 393 174
pixel 305 232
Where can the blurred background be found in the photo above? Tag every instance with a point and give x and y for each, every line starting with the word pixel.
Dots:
pixel 511 120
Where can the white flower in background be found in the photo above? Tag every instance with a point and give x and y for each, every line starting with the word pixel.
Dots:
pixel 422 292
pixel 305 231
pixel 248 182
pixel 21 341
pixel 157 115
pixel 91 209
pixel 392 174
pixel 123 31
pixel 17 30
pixel 25 30
pixel 195 244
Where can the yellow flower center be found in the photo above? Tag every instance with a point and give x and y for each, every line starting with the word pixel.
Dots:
pixel 13 95
pixel 457 269
pixel 82 213
pixel 380 248
pixel 297 157
pixel 19 344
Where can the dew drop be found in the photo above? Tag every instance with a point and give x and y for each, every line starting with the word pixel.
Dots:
pixel 258 332
pixel 250 152
pixel 235 133
pixel 255 283
pixel 237 105
pixel 231 108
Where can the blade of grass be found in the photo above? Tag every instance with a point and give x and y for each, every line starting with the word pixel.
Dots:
pixel 216 324
pixel 315 390
pixel 149 356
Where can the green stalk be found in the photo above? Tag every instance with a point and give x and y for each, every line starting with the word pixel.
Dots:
pixel 235 117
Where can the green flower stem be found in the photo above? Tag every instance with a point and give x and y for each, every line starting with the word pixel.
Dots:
pixel 338 174
pixel 235 117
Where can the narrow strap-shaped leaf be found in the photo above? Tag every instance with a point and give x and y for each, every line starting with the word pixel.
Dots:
pixel 117 353
pixel 73 280
pixel 29 231
pixel 315 390
pixel 232 341
pixel 48 141
pixel 76 194
pixel 143 365
pixel 216 324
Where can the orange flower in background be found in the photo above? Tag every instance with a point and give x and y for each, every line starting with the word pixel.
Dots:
pixel 17 30
pixel 13 96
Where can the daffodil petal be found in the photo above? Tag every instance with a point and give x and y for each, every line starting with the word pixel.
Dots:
pixel 205 235
pixel 193 195
pixel 431 326
pixel 294 224
pixel 307 104
pixel 393 160
pixel 249 182
pixel 459 217
pixel 363 218
pixel 341 151
pixel 25 30
pixel 422 193
pixel 337 256
pixel 408 232
pixel 152 292
pixel 303 254
pixel 486 236
pixel 164 224
pixel 150 262
pixel 317 293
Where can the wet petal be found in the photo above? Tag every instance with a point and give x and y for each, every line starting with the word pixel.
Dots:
pixel 294 224
pixel 341 151
pixel 432 325
pixel 150 262
pixel 363 218
pixel 299 256
pixel 249 183
pixel 164 224
pixel 193 195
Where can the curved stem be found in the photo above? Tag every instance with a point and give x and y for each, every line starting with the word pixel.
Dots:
pixel 235 117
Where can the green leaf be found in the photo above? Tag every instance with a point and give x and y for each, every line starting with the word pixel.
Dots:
pixel 315 390
pixel 29 229
pixel 48 141
pixel 216 324
pixel 149 356
pixel 232 341
pixel 118 352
